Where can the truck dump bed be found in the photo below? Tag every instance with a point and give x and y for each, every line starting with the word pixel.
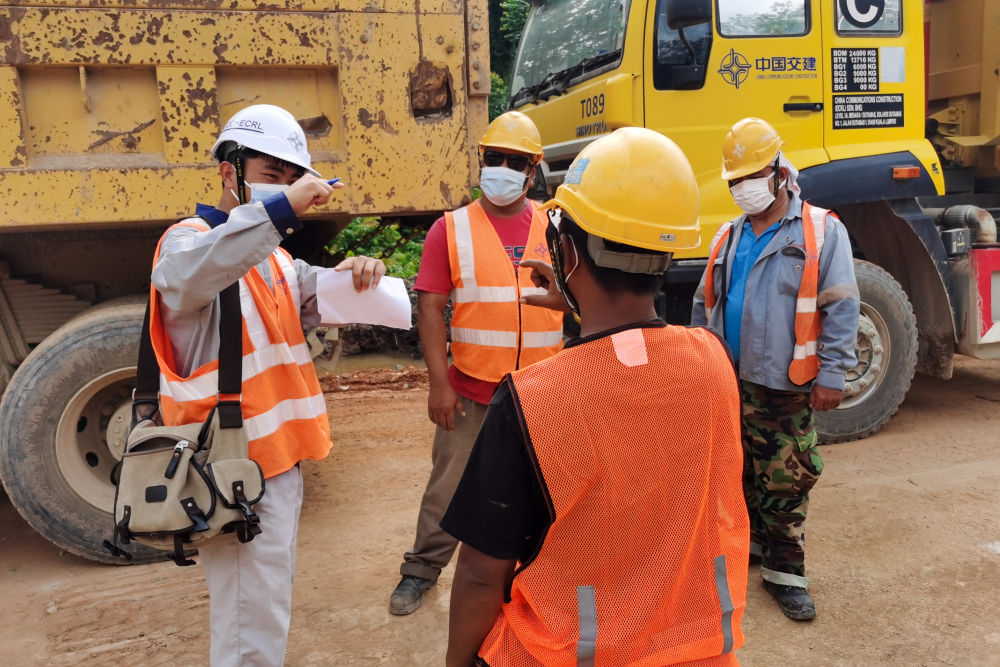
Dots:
pixel 107 114
pixel 108 111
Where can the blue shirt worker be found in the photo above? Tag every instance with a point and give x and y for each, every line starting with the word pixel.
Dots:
pixel 780 287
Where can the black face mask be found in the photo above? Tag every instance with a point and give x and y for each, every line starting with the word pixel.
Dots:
pixel 555 252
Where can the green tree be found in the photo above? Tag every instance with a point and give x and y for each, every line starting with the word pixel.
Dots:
pixel 507 18
pixel 399 247
pixel 498 95
pixel 512 20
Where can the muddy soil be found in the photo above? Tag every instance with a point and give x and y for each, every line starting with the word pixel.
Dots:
pixel 904 551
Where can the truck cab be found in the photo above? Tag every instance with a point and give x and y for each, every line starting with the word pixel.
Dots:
pixel 845 84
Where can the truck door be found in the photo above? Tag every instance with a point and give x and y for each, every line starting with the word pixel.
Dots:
pixel 873 93
pixel 874 96
pixel 755 59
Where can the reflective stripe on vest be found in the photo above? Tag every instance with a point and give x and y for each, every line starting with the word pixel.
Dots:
pixel 586 646
pixel 725 602
pixel 645 560
pixel 284 411
pixel 491 332
pixel 805 364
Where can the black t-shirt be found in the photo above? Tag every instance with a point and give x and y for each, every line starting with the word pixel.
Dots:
pixel 501 506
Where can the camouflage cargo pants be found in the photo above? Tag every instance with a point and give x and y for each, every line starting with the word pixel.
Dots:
pixel 781 464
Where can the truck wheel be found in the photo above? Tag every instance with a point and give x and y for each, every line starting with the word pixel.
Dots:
pixel 887 356
pixel 63 424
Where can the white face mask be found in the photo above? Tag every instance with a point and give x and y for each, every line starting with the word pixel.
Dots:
pixel 754 195
pixel 261 191
pixel 502 186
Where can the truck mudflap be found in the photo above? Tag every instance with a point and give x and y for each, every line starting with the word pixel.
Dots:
pixel 981 332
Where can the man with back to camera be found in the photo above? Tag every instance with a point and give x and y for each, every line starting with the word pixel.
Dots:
pixel 601 513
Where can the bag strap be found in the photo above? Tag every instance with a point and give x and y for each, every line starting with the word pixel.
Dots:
pixel 230 358
pixel 147 382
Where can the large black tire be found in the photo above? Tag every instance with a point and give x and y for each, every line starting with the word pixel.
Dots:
pixel 887 358
pixel 63 420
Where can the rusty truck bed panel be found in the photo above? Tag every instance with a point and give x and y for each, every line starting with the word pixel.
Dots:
pixel 107 113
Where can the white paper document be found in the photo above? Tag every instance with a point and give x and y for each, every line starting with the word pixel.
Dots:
pixel 386 305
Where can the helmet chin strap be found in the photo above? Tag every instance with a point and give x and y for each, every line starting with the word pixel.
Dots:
pixel 241 189
pixel 563 281
pixel 553 237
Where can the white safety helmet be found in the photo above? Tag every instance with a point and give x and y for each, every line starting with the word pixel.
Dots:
pixel 267 129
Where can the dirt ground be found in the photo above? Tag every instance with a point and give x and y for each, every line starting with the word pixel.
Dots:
pixel 904 551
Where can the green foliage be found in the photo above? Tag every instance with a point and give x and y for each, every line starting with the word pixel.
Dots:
pixel 501 55
pixel 507 19
pixel 512 20
pixel 498 95
pixel 399 247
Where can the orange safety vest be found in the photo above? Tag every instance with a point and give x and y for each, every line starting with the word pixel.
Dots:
pixel 491 332
pixel 805 364
pixel 284 411
pixel 637 438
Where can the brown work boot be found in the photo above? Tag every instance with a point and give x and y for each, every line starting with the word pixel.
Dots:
pixel 794 601
pixel 408 595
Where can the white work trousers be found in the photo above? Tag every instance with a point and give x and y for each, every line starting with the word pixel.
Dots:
pixel 250 585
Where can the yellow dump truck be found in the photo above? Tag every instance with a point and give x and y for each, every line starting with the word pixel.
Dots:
pixel 107 113
pixel 905 153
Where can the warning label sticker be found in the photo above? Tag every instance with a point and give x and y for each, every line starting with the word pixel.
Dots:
pixel 851 112
pixel 855 70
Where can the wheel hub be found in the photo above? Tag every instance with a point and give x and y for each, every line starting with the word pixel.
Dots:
pixel 872 350
pixel 118 429
pixel 91 433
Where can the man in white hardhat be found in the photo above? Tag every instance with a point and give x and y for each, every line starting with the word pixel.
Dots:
pixel 267 182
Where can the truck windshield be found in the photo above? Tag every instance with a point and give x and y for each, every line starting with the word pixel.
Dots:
pixel 561 35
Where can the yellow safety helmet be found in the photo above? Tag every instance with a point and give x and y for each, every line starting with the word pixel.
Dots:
pixel 750 145
pixel 635 187
pixel 514 131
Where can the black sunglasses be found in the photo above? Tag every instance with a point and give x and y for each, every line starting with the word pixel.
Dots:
pixel 496 159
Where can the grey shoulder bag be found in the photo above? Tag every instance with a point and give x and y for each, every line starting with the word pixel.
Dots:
pixel 180 486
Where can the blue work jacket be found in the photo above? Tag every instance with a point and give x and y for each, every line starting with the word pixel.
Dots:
pixel 767 325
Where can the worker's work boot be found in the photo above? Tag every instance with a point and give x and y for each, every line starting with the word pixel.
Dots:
pixel 794 601
pixel 408 595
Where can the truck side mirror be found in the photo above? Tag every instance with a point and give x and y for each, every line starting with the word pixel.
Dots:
pixel 686 13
